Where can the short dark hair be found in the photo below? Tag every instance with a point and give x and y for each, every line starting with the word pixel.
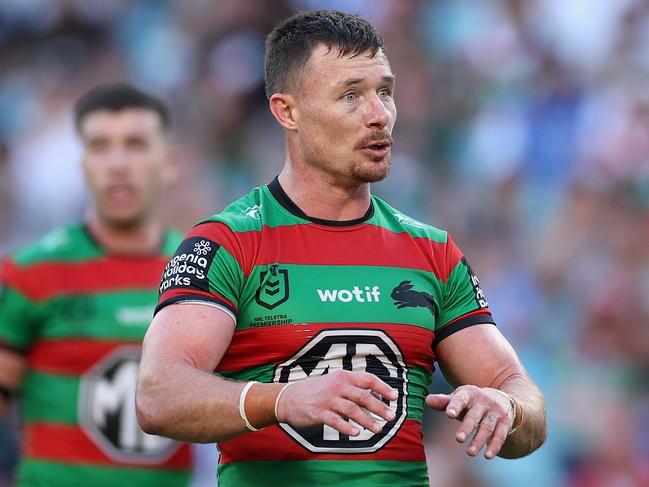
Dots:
pixel 290 43
pixel 117 97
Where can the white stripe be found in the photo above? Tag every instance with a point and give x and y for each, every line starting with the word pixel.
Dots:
pixel 209 303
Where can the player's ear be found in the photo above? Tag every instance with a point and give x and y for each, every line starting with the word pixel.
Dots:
pixel 282 106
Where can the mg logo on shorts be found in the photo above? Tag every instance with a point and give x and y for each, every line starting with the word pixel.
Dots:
pixel 107 411
pixel 359 350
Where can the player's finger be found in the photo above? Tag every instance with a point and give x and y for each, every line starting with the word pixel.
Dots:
pixel 470 423
pixel 350 410
pixel 497 440
pixel 366 380
pixel 486 428
pixel 438 401
pixel 460 400
pixel 339 424
pixel 369 401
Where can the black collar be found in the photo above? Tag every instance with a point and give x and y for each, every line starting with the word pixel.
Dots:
pixel 282 198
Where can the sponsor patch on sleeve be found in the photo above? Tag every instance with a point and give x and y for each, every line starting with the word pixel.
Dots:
pixel 480 297
pixel 188 268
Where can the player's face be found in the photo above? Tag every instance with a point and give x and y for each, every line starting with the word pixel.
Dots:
pixel 126 163
pixel 346 114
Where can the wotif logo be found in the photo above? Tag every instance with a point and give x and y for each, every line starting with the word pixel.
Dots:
pixel 365 295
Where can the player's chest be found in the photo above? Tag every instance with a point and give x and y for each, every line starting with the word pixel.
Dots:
pixel 122 314
pixel 279 294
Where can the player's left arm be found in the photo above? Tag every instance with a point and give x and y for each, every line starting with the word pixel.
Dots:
pixel 481 364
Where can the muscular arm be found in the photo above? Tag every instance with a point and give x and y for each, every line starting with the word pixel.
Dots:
pixel 12 366
pixel 179 397
pixel 177 394
pixel 475 361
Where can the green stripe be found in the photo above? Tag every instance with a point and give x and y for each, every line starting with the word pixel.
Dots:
pixel 69 244
pixel 350 473
pixel 392 219
pixel 122 315
pixel 73 244
pixel 36 473
pixel 306 304
pixel 50 398
pixel 459 297
pixel 418 383
pixel 226 276
pixel 263 373
pixel 18 318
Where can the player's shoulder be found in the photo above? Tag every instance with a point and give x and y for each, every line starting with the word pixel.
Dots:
pixel 244 214
pixel 69 243
pixel 172 239
pixel 389 217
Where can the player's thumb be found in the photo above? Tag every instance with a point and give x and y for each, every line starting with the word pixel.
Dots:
pixel 438 401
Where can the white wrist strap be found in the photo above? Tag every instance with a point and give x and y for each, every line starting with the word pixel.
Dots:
pixel 512 403
pixel 277 400
pixel 242 407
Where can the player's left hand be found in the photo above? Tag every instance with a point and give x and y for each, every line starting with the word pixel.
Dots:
pixel 483 411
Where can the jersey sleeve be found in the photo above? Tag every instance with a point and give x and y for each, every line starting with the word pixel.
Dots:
pixel 464 303
pixel 17 320
pixel 206 268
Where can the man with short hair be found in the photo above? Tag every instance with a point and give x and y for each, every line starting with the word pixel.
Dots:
pixel 321 308
pixel 74 307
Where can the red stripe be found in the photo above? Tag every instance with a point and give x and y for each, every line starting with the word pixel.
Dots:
pixel 74 356
pixel 309 244
pixel 69 444
pixel 49 279
pixel 263 346
pixel 272 444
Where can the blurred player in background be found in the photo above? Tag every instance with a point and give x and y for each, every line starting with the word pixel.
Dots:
pixel 323 308
pixel 74 307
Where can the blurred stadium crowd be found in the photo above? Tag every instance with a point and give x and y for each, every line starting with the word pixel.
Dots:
pixel 523 129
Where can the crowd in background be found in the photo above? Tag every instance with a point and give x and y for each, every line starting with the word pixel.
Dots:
pixel 523 129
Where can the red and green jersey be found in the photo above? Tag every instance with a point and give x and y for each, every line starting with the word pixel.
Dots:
pixel 310 296
pixel 79 315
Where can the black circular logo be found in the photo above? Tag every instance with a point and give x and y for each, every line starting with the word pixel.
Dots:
pixel 355 350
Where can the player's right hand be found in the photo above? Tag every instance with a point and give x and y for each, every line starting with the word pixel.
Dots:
pixel 339 400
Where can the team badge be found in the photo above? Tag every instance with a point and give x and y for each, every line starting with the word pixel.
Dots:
pixel 273 287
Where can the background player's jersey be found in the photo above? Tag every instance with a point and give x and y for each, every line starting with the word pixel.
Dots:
pixel 79 316
pixel 309 297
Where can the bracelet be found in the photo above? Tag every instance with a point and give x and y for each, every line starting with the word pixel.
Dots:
pixel 517 409
pixel 277 400
pixel 242 405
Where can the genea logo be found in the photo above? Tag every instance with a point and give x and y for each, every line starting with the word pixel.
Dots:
pixel 190 264
pixel 357 294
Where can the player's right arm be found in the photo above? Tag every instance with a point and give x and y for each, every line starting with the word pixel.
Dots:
pixel 178 396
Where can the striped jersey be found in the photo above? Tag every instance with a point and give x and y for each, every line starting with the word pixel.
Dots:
pixel 310 296
pixel 79 315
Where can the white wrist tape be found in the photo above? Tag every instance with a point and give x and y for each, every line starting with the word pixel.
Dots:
pixel 242 405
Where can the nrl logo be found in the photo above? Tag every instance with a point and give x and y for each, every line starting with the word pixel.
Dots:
pixel 273 287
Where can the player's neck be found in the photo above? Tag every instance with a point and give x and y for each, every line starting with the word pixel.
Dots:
pixel 319 195
pixel 141 239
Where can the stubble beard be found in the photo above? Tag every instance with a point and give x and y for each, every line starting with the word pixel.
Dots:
pixel 378 171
